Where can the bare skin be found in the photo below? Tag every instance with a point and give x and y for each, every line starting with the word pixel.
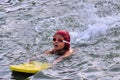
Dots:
pixel 57 46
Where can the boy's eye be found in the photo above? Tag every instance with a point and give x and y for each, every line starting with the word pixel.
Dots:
pixel 59 40
pixel 54 39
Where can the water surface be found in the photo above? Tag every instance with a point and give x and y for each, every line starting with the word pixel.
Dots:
pixel 27 27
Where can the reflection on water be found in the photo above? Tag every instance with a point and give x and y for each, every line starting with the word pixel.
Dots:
pixel 20 76
pixel 27 26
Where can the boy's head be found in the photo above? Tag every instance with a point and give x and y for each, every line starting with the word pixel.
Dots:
pixel 66 37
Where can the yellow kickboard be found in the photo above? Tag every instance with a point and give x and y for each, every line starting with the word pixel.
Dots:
pixel 30 67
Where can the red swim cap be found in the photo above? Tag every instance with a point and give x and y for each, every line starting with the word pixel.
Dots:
pixel 66 37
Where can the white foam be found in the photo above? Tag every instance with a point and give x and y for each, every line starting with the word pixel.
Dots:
pixel 11 9
pixel 93 31
pixel 97 27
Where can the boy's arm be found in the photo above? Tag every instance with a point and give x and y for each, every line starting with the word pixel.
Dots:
pixel 58 60
pixel 40 55
pixel 35 56
pixel 68 53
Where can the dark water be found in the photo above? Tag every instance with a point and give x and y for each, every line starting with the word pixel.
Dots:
pixel 27 26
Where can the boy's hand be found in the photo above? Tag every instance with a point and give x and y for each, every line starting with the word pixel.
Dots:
pixel 32 59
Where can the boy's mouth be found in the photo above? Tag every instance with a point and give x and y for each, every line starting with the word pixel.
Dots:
pixel 56 45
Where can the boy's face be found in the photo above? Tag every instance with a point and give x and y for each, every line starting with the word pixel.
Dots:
pixel 58 42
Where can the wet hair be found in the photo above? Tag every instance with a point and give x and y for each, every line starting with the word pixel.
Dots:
pixel 66 37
